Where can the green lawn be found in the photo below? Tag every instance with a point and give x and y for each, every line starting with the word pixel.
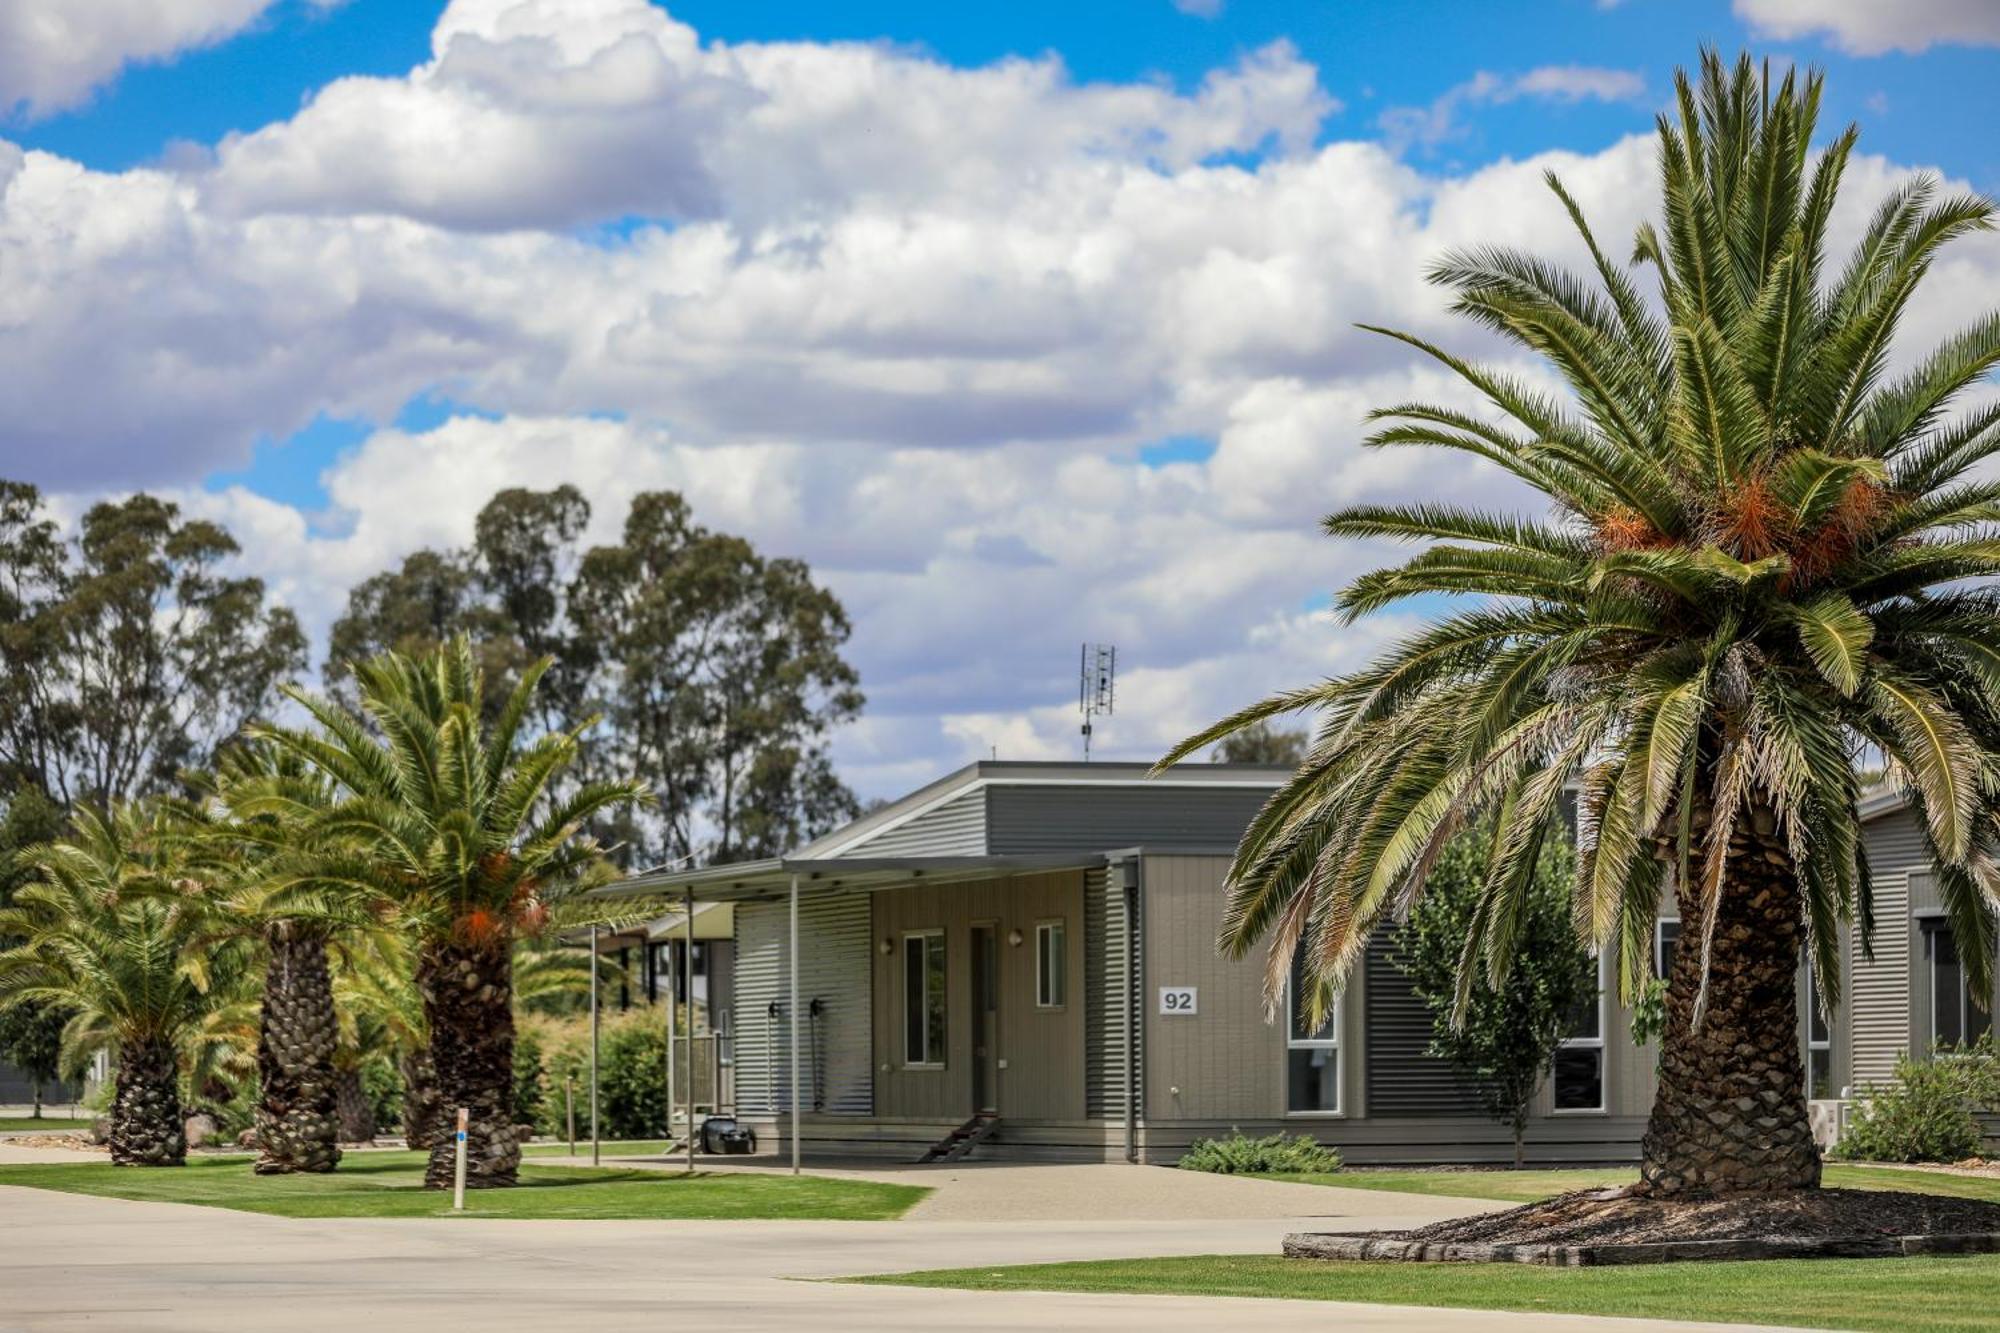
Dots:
pixel 388 1184
pixel 48 1124
pixel 608 1148
pixel 1947 1293
pixel 1527 1186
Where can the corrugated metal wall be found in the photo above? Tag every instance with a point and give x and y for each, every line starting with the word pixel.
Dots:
pixel 1879 990
pixel 956 828
pixel 1095 819
pixel 1402 1078
pixel 833 968
pixel 1110 992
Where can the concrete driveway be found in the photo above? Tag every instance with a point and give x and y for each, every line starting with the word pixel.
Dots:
pixel 72 1262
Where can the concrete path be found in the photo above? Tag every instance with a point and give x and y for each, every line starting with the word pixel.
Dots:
pixel 1019 1192
pixel 72 1262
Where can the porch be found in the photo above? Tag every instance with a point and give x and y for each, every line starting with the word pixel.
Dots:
pixel 878 1004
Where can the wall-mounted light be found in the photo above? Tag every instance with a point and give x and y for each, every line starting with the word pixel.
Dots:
pixel 887 947
pixel 1014 937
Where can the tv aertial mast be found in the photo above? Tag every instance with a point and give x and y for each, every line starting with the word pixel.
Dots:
pixel 1096 688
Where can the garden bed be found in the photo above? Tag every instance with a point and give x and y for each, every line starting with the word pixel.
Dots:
pixel 1598 1227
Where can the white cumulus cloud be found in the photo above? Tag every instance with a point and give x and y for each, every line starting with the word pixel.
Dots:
pixel 1873 27
pixel 55 53
pixel 1443 118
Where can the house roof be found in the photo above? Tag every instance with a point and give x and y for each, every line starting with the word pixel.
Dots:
pixel 772 878
pixel 1884 799
pixel 851 837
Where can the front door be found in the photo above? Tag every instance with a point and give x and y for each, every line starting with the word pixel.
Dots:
pixel 985 1018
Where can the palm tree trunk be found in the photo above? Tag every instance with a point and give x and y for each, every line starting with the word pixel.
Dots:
pixel 468 1002
pixel 297 1129
pixel 423 1104
pixel 146 1124
pixel 354 1111
pixel 1730 1115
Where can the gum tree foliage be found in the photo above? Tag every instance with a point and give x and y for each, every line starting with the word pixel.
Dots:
pixel 1261 743
pixel 718 670
pixel 126 650
pixel 1503 1041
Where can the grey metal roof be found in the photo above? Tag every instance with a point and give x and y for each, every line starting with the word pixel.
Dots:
pixel 1039 773
pixel 773 877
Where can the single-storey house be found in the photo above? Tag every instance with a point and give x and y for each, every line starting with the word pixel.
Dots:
pixel 1019 960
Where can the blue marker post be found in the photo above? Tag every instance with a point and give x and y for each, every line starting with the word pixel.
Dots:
pixel 458 1168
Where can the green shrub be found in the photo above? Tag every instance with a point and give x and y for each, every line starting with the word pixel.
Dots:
pixel 382 1085
pixel 1926 1115
pixel 1238 1155
pixel 530 1082
pixel 632 1079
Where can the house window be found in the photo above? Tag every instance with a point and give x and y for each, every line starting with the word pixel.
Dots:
pixel 1051 965
pixel 1666 935
pixel 1819 1043
pixel 1312 1059
pixel 923 999
pixel 1956 1020
pixel 1579 1063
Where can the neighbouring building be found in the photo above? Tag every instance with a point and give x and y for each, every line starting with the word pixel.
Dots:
pixel 1019 960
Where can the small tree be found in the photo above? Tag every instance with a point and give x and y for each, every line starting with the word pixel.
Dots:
pixel 1502 1041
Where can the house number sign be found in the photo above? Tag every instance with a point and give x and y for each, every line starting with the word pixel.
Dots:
pixel 1177 1000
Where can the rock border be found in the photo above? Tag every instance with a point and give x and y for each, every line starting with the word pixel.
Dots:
pixel 1376 1246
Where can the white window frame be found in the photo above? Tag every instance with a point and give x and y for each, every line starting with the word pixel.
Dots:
pixel 1660 942
pixel 903 961
pixel 1054 982
pixel 1294 1042
pixel 1588 1044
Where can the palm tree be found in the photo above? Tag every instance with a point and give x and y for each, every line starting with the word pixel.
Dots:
pixel 116 930
pixel 297 1120
pixel 1753 574
pixel 445 827
pixel 383 1014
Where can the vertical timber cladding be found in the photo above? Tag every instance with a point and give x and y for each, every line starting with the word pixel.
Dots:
pixel 836 1074
pixel 1225 1061
pixel 1043 1049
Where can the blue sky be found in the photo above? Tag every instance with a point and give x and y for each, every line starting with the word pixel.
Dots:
pixel 1937 106
pixel 1015 361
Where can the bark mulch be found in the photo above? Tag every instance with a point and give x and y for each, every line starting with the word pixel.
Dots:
pixel 1597 1217
pixel 1594 1227
pixel 76 1142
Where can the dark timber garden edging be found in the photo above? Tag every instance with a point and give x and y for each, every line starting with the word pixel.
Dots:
pixel 1374 1245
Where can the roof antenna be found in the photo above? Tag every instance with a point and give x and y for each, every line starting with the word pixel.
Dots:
pixel 1097 670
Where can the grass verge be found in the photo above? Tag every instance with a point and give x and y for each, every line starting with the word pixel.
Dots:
pixel 48 1124
pixel 607 1148
pixel 1941 1293
pixel 391 1185
pixel 1528 1186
